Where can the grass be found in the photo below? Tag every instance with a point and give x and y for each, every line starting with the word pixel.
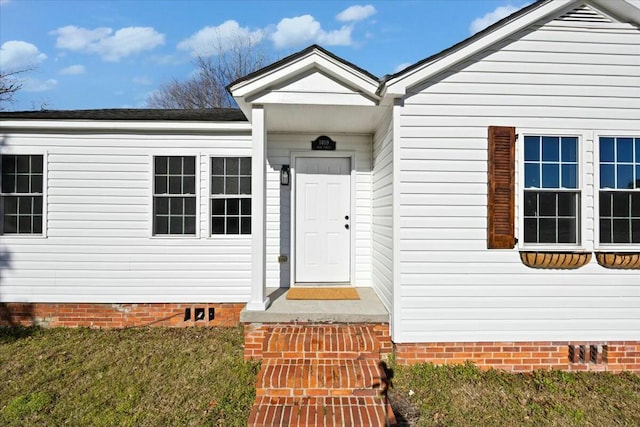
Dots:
pixel 463 395
pixel 130 377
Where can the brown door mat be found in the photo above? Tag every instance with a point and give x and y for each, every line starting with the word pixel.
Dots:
pixel 322 293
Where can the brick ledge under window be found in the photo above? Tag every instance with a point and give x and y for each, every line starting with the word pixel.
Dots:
pixel 619 260
pixel 555 260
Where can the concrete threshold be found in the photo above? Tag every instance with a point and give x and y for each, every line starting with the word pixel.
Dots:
pixel 368 309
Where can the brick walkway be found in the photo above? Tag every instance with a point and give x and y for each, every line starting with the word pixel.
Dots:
pixel 320 375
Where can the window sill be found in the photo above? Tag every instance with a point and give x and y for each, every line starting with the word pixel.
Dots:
pixel 555 260
pixel 619 260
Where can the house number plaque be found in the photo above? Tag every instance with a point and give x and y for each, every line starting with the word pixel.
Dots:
pixel 323 143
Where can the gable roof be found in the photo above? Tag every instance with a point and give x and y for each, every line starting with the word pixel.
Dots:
pixel 138 114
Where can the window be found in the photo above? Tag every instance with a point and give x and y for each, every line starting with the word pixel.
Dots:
pixel 551 195
pixel 174 195
pixel 21 196
pixel 231 195
pixel 619 190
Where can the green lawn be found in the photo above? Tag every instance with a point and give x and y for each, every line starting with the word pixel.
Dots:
pixel 193 377
pixel 130 377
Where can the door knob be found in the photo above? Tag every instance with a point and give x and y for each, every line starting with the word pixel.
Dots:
pixel 346 226
pixel 346 217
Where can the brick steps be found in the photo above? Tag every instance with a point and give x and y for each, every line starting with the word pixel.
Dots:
pixel 319 375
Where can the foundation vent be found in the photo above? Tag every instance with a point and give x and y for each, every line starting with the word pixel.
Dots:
pixel 588 353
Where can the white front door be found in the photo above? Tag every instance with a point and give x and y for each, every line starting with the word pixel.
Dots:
pixel 323 219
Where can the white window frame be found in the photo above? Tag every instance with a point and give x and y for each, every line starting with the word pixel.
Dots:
pixel 151 180
pixel 17 151
pixel 583 139
pixel 211 196
pixel 606 247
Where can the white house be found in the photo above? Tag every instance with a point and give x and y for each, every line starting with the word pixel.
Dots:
pixel 489 195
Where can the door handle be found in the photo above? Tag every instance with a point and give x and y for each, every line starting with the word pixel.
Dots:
pixel 346 217
pixel 346 226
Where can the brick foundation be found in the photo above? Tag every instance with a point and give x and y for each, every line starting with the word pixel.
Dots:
pixel 117 315
pixel 611 356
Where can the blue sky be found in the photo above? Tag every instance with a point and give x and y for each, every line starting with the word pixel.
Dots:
pixel 113 54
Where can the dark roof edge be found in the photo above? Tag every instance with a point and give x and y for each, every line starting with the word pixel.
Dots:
pixel 295 56
pixel 462 43
pixel 132 114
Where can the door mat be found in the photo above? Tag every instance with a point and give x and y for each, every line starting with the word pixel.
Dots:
pixel 322 293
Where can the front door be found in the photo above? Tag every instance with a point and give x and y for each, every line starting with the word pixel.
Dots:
pixel 323 219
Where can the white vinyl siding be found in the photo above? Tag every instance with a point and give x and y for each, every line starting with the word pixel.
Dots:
pixel 278 223
pixel 99 245
pixel 382 212
pixel 565 77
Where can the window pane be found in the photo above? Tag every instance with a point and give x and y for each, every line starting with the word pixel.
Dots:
pixel 530 203
pixel 621 231
pixel 22 164
pixel 605 203
pixel 162 205
pixel 161 225
pixel 175 225
pixel 569 176
pixel 24 205
pixel 531 148
pixel 175 185
pixel 245 166
pixel 607 176
pixel 547 230
pixel 635 231
pixel 175 165
pixel 532 175
pixel 547 206
pixel 233 225
pixel 531 230
pixel 625 150
pixel 8 183
pixel 566 204
pixel 176 206
pixel 217 207
pixel 625 176
pixel 36 183
pixel 550 176
pixel 245 208
pixel 10 224
pixel 161 165
pixel 190 225
pixel 190 206
pixel 189 185
pixel 605 231
pixel 635 205
pixel 8 164
pixel 233 167
pixel 567 230
pixel 233 206
pixel 638 151
pixel 607 150
pixel 189 165
pixel 37 205
pixel 231 186
pixel 245 185
pixel 161 185
pixel 217 185
pixel 217 166
pixel 22 182
pixel 569 149
pixel 637 176
pixel 550 149
pixel 217 225
pixel 36 164
pixel 11 204
pixel 37 224
pixel 24 224
pixel 620 204
pixel 245 225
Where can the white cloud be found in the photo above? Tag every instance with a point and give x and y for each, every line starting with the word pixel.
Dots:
pixel 36 85
pixel 305 30
pixel 73 70
pixel 16 54
pixel 215 40
pixel 497 14
pixel 111 46
pixel 3 2
pixel 401 67
pixel 356 13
